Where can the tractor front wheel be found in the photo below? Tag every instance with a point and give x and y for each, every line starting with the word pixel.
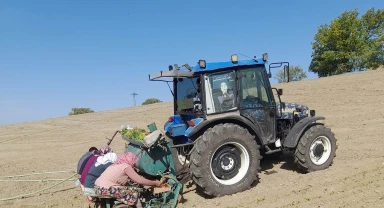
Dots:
pixel 225 160
pixel 316 149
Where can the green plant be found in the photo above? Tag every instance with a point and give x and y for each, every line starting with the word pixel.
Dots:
pixel 296 73
pixel 135 133
pixel 349 43
pixel 77 111
pixel 151 101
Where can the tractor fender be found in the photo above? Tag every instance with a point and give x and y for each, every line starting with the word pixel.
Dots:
pixel 297 130
pixel 252 128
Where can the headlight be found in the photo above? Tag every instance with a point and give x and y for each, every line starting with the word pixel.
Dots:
pixel 234 58
pixel 265 56
pixel 202 64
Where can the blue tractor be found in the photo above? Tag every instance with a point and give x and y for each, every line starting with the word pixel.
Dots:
pixel 220 135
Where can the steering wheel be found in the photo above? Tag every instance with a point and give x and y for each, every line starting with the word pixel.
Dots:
pixel 253 99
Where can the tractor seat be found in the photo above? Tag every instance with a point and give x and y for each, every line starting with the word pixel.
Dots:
pixel 152 138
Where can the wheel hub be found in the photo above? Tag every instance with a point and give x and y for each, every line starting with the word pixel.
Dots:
pixel 318 150
pixel 226 162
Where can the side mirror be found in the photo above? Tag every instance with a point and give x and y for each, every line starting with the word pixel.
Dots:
pixel 269 75
pixel 280 92
pixel 286 73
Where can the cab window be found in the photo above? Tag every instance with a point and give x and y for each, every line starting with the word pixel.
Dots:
pixel 220 92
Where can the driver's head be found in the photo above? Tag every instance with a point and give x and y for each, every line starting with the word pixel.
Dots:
pixel 224 87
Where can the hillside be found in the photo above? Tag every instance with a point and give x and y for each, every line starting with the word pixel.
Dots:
pixel 351 103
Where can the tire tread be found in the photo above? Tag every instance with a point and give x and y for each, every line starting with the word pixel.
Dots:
pixel 300 154
pixel 197 166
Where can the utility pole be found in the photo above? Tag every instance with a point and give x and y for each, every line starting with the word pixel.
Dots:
pixel 134 98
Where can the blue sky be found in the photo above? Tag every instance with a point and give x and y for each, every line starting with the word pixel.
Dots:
pixel 55 55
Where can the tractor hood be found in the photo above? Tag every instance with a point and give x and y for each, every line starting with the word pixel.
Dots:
pixel 291 109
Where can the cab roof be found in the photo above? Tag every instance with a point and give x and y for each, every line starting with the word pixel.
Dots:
pixel 209 66
pixel 212 66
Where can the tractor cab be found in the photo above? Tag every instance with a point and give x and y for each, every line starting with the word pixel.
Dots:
pixel 222 89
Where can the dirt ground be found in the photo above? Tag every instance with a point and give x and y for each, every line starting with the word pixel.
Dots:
pixel 353 107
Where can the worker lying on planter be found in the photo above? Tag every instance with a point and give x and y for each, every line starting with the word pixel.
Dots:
pixel 86 162
pixel 84 159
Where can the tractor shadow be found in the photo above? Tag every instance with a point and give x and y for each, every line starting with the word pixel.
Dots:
pixel 284 158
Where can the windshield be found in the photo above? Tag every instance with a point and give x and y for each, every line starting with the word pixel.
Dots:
pixel 186 91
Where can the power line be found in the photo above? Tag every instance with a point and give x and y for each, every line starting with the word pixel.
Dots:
pixel 134 98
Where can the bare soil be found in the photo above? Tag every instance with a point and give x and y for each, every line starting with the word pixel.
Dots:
pixel 353 107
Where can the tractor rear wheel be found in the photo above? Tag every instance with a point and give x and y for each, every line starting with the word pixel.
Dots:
pixel 179 156
pixel 316 149
pixel 225 160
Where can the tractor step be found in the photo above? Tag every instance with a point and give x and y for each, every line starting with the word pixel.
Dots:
pixel 185 178
pixel 270 151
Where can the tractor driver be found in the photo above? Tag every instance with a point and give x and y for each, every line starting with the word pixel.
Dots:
pixel 197 98
pixel 198 92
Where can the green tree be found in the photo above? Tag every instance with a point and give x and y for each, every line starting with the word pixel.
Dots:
pixel 296 73
pixel 77 111
pixel 151 101
pixel 349 43
pixel 373 25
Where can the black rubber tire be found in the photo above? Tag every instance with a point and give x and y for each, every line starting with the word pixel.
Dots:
pixel 204 151
pixel 176 161
pixel 178 165
pixel 302 155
